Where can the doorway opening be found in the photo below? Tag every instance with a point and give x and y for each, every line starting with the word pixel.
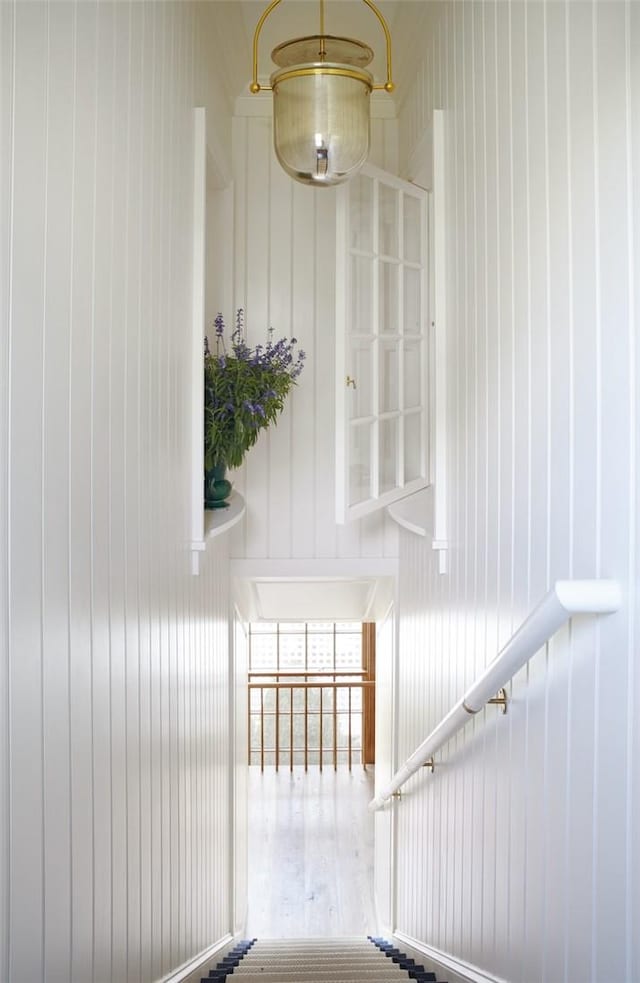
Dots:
pixel 311 751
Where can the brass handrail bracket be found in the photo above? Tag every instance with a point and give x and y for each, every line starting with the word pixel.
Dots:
pixel 501 699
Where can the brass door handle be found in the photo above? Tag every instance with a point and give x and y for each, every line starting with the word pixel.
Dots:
pixel 351 382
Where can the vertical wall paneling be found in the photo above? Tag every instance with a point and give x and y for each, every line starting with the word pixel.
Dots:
pixel 28 252
pixel 632 103
pixel 323 369
pixel 147 641
pixel 116 823
pixel 518 856
pixel 586 436
pixel 385 765
pixel 101 448
pixel 6 171
pixel 80 494
pixel 239 697
pixel 134 514
pixel 281 293
pixel 55 487
pixel 240 208
pixel 198 327
pixel 305 424
pixel 438 308
pixel 255 303
pixel 617 420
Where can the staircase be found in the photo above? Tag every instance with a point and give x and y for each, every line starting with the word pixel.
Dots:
pixel 371 960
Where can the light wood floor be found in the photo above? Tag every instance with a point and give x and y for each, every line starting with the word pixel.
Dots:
pixel 310 854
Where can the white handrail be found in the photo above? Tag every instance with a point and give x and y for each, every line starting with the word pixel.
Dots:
pixel 566 598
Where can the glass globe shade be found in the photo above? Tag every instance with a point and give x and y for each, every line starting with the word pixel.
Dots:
pixel 321 121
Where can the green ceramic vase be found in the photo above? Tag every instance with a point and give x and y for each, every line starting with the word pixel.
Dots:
pixel 216 487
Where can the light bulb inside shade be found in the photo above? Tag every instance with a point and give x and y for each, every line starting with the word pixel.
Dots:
pixel 321 126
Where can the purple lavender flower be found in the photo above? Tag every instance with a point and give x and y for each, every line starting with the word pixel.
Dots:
pixel 238 335
pixel 245 389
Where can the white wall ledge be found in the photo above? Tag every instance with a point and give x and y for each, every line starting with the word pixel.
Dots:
pixel 415 514
pixel 217 522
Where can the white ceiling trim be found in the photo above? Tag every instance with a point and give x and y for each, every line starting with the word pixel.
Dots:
pixel 314 599
pixel 315 568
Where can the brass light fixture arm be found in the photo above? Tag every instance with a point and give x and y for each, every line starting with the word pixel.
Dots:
pixel 323 50
pixel 388 86
pixel 255 86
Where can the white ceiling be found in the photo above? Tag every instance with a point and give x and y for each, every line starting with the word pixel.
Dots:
pixel 314 599
pixel 233 23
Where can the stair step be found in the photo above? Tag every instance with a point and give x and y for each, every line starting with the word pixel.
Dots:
pixel 311 957
pixel 291 971
pixel 333 960
pixel 284 945
pixel 379 975
pixel 317 965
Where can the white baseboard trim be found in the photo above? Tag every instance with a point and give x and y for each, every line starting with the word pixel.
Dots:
pixel 184 972
pixel 466 970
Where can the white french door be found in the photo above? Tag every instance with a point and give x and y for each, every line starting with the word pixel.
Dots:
pixel 382 432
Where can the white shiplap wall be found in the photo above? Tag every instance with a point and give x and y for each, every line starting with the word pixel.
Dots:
pixel 284 277
pixel 5 187
pixel 520 854
pixel 239 698
pixel 114 660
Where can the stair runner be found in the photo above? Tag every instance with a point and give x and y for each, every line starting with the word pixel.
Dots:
pixel 351 960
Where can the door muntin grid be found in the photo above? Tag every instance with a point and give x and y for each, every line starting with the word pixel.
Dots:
pixel 382 348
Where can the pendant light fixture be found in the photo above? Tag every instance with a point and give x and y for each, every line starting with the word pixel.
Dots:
pixel 321 92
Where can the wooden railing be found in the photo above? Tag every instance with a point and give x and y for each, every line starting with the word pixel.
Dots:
pixel 312 717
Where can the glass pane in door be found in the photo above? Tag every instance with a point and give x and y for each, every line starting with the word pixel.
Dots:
pixel 388 377
pixel 412 324
pixel 388 298
pixel 361 289
pixel 413 449
pixel 388 224
pixel 412 229
pixel 359 462
pixel 412 374
pixel 388 454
